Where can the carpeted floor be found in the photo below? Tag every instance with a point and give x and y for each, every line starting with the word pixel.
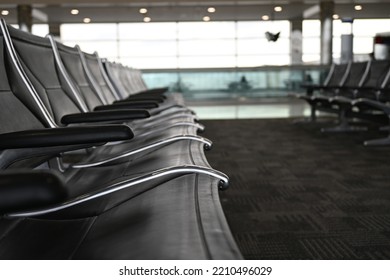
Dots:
pixel 296 193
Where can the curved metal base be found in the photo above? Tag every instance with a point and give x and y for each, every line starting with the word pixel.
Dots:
pixel 344 128
pixel 175 170
pixel 377 142
pixel 162 120
pixel 165 111
pixel 166 141
pixel 197 125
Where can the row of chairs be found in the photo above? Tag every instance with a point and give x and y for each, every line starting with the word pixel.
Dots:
pixel 97 166
pixel 354 90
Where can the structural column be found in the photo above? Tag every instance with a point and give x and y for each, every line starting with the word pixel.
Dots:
pixel 296 41
pixel 55 29
pixel 25 17
pixel 326 17
pixel 346 41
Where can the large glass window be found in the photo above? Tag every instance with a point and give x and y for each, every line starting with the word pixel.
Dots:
pixel 184 44
pixel 147 31
pixel 311 44
pixel 363 31
pixel 253 49
pixel 40 29
pixel 148 45
pixel 89 32
pixel 211 44
pixel 206 30
pixel 98 37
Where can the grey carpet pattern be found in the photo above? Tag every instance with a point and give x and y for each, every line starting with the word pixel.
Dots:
pixel 297 193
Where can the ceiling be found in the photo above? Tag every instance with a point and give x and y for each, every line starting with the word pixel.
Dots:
pixel 187 10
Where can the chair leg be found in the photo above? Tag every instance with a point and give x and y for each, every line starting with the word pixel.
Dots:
pixel 313 115
pixel 344 125
pixel 382 141
pixel 378 142
pixel 385 128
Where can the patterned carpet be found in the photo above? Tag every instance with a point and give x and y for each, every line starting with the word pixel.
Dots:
pixel 296 193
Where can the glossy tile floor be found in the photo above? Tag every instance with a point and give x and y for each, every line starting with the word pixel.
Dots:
pixel 250 109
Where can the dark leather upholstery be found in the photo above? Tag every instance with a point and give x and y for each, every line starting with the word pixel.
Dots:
pixel 159 203
pixel 105 116
pixel 24 190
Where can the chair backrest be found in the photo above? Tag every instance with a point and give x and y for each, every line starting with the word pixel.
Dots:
pixel 15 114
pixel 379 71
pixel 138 80
pixel 73 66
pixel 384 89
pixel 336 74
pixel 19 110
pixel 125 77
pixel 113 73
pixel 357 74
pixel 38 61
pixel 91 63
pixel 126 80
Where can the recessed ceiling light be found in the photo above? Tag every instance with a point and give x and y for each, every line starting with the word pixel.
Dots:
pixel 358 7
pixel 211 10
pixel 74 12
pixel 278 9
pixel 265 17
pixel 5 12
pixel 336 16
pixel 147 19
pixel 143 11
pixel 87 20
pixel 206 18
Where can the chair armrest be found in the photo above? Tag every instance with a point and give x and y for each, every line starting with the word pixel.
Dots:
pixel 383 95
pixel 141 97
pixel 346 88
pixel 155 91
pixel 105 116
pixel 368 88
pixel 50 137
pixel 27 189
pixel 128 105
pixel 341 100
pixel 372 103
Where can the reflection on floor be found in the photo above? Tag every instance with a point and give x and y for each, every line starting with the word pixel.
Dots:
pixel 250 108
